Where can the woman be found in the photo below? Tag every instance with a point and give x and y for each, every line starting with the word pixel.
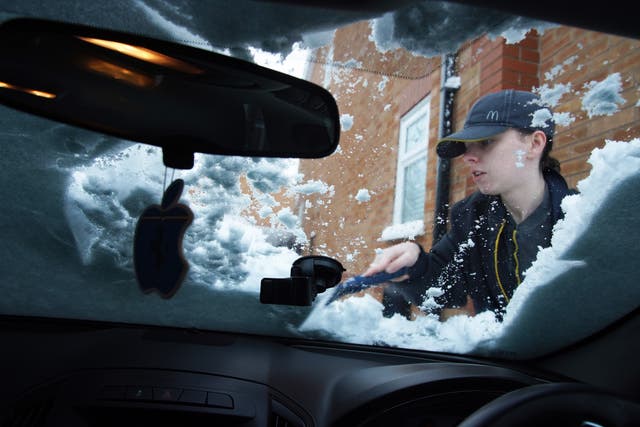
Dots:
pixel 496 232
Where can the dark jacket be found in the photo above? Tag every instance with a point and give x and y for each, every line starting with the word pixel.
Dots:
pixel 478 257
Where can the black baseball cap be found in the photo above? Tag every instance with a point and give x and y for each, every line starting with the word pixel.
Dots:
pixel 495 113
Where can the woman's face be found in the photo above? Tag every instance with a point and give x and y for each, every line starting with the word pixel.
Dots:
pixel 500 164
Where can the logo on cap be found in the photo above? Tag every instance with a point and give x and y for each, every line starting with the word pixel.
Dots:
pixel 493 115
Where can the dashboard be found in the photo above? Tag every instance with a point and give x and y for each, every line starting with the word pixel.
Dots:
pixel 95 375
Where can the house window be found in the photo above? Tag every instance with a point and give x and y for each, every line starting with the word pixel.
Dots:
pixel 412 165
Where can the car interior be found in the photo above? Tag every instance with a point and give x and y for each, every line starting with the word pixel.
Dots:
pixel 107 361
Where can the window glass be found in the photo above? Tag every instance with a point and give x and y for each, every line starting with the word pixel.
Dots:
pixel 412 164
pixel 413 188
pixel 417 133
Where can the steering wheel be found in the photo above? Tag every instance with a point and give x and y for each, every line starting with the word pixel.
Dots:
pixel 567 404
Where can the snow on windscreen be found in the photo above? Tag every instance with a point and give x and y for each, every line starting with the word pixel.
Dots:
pixel 279 28
pixel 419 28
pixel 574 287
pixel 104 200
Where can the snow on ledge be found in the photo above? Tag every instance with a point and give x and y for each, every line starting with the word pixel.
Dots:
pixel 407 230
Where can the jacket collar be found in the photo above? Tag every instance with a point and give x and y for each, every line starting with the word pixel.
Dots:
pixel 558 189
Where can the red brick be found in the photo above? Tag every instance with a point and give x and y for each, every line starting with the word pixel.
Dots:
pixel 511 51
pixel 516 80
pixel 521 66
pixel 550 49
pixel 489 84
pixel 489 69
pixel 491 54
pixel 530 55
pixel 531 41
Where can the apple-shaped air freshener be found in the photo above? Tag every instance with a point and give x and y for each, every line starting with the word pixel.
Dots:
pixel 158 257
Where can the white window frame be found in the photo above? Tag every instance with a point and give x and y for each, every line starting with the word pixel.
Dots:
pixel 420 111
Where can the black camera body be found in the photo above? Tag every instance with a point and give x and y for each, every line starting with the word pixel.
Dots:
pixel 310 275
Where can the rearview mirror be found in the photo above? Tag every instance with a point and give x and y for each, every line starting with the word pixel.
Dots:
pixel 180 98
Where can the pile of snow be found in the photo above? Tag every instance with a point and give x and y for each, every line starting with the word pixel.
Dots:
pixel 104 200
pixel 584 280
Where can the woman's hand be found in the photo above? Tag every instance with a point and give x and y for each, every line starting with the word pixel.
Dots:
pixel 394 258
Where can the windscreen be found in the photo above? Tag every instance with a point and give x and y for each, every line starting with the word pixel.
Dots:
pixel 403 80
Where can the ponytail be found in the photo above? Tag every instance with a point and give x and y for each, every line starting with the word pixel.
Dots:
pixel 549 163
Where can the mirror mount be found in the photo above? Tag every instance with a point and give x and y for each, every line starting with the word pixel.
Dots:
pixel 176 158
pixel 310 276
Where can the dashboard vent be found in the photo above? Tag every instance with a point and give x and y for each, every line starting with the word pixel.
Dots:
pixel 29 414
pixel 281 416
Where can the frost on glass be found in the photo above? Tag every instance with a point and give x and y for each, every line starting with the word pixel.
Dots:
pixel 237 223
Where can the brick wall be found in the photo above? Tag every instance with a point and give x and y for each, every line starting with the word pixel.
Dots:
pixel 340 225
pixel 596 57
pixel 349 230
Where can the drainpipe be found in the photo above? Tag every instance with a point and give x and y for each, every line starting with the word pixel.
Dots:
pixel 443 179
